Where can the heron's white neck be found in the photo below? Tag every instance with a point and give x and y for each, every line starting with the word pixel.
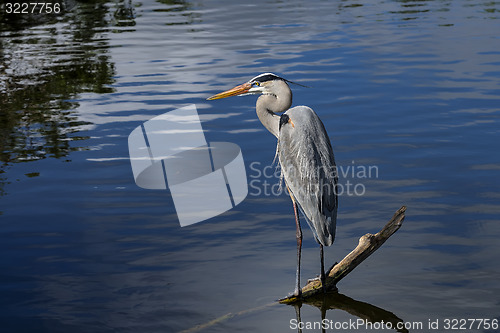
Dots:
pixel 270 104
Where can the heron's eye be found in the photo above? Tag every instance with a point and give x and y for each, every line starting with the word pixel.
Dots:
pixel 257 83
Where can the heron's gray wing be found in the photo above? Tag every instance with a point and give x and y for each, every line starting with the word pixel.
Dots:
pixel 308 167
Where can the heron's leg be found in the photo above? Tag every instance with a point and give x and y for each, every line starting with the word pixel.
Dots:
pixel 298 235
pixel 322 276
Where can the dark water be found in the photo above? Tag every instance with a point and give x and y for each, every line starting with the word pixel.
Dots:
pixel 408 88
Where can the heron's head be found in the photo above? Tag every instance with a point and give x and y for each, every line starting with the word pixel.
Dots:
pixel 266 83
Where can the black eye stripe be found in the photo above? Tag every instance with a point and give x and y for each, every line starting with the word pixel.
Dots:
pixel 266 77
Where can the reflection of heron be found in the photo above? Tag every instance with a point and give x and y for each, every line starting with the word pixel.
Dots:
pixel 305 155
pixel 368 314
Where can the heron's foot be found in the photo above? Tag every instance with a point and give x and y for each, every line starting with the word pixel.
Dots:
pixel 317 278
pixel 323 285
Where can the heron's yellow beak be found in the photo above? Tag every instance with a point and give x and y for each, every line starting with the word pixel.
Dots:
pixel 238 90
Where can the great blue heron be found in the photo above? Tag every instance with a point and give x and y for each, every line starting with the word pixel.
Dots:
pixel 305 156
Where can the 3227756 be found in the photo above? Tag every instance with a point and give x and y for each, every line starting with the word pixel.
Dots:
pixel 32 8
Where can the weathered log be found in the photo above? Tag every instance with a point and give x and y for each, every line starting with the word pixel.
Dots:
pixel 368 244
